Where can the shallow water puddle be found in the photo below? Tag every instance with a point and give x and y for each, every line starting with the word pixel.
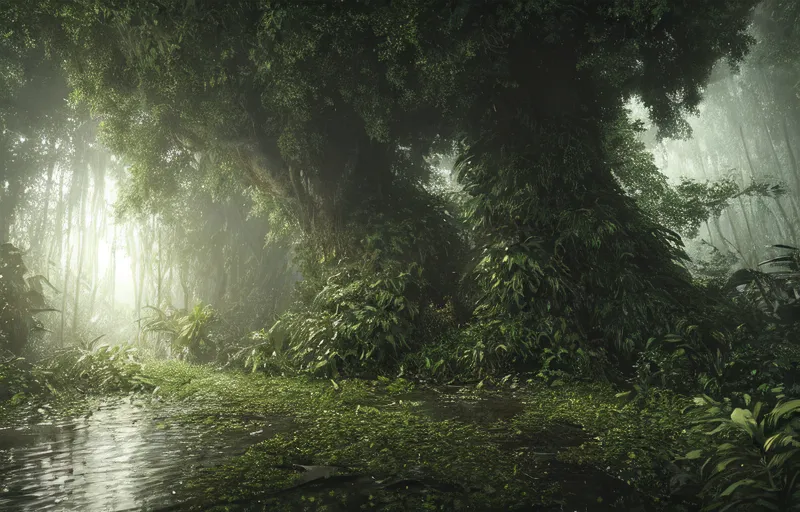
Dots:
pixel 481 410
pixel 121 457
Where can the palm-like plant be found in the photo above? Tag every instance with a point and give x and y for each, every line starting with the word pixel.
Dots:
pixel 775 291
pixel 188 332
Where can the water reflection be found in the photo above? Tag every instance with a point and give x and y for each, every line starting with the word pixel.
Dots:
pixel 120 458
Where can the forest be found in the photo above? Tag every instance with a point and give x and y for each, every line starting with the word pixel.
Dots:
pixel 334 255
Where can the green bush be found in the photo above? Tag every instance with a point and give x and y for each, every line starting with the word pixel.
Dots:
pixel 20 299
pixel 361 305
pixel 357 322
pixel 189 333
pixel 101 369
pixel 17 380
pixel 436 355
pixel 773 292
pixel 85 370
pixel 755 461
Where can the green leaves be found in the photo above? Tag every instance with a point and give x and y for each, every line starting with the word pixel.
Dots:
pixel 188 332
pixel 20 300
pixel 772 292
pixel 744 418
pixel 97 370
pixel 758 460
pixel 356 320
pixel 682 208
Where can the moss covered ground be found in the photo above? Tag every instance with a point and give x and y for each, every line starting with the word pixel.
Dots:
pixel 388 445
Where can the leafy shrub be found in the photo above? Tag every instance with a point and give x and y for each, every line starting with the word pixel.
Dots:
pixel 682 357
pixel 774 292
pixel 717 362
pixel 88 370
pixel 16 379
pixel 438 360
pixel 264 350
pixel 188 332
pixel 755 462
pixel 20 299
pixel 102 369
pixel 364 286
pixel 355 319
pixel 437 354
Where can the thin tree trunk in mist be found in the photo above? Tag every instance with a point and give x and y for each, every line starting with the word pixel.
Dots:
pixel 787 220
pixel 710 234
pixel 82 232
pixel 236 274
pixel 170 273
pixel 54 254
pixel 39 238
pixel 734 118
pixel 147 263
pixel 792 197
pixel 782 236
pixel 98 227
pixel 737 239
pixel 790 151
pixel 222 268
pixel 795 179
pixel 134 256
pixel 65 294
pixel 741 247
pixel 745 217
pixel 223 284
pixel 185 285
pixel 113 268
pixel 718 229
pixel 160 268
pixel 144 250
pixel 8 206
pixel 714 220
pixel 68 235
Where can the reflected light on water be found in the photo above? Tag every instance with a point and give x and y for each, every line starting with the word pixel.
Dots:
pixel 119 458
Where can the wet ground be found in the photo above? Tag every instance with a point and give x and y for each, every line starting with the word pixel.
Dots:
pixel 121 456
pixel 135 455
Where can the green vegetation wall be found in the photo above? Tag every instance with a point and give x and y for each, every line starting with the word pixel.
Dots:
pixel 329 110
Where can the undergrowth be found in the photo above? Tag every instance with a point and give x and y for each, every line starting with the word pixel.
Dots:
pixel 95 371
pixel 378 436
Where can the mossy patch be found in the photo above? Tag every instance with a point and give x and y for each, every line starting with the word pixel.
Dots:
pixel 358 444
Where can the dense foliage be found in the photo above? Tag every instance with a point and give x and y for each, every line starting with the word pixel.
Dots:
pixel 284 163
pixel 360 94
